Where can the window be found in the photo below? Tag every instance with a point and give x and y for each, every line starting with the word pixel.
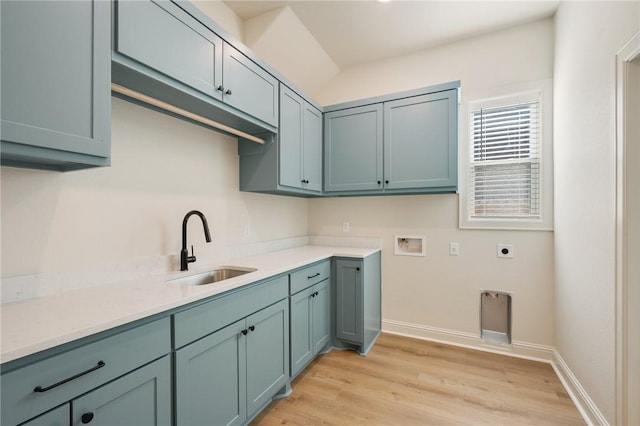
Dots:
pixel 505 176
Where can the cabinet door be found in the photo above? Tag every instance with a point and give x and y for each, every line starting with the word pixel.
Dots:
pixel 300 142
pixel 248 87
pixel 56 94
pixel 267 354
pixel 58 417
pixel 142 397
pixel 353 149
pixel 210 379
pixel 349 300
pixel 320 311
pixel 290 138
pixel 163 37
pixel 420 141
pixel 301 330
pixel 312 148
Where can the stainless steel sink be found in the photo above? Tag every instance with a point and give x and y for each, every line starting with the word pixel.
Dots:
pixel 211 277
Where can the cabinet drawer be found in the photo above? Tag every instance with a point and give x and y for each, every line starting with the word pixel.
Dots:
pixel 208 317
pixel 102 361
pixel 309 276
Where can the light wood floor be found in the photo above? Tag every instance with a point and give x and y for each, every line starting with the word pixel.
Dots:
pixel 412 382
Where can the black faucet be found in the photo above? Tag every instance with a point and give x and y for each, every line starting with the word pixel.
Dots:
pixel 185 259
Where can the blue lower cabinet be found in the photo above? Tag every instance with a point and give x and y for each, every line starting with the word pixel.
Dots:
pixel 267 346
pixel 358 302
pixel 58 417
pixel 349 297
pixel 142 397
pixel 40 383
pixel 228 376
pixel 301 341
pixel 320 317
pixel 310 325
pixel 211 379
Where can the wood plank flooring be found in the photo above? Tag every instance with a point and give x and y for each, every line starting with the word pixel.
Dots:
pixel 406 381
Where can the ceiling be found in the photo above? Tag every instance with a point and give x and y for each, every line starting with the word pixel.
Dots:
pixel 360 31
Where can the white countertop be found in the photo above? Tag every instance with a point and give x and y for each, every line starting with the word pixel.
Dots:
pixel 37 324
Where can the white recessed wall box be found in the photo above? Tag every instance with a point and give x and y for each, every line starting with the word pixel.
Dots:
pixel 409 245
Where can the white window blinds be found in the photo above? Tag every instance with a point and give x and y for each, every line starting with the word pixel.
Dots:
pixel 504 175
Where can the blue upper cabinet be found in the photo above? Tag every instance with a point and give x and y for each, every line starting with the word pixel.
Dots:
pixel 312 148
pixel 353 149
pixel 290 163
pixel 290 138
pixel 190 53
pixel 161 51
pixel 248 87
pixel 56 97
pixel 300 147
pixel 397 144
pixel 420 149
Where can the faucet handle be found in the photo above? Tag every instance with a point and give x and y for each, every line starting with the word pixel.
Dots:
pixel 192 258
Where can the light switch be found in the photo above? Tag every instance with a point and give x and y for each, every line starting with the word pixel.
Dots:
pixel 454 249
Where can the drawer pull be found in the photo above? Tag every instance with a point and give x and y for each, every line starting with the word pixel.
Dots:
pixel 62 382
pixel 86 418
pixel 313 276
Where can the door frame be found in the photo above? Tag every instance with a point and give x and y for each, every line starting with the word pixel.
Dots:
pixel 629 53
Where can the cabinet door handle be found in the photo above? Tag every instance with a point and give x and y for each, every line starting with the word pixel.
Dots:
pixel 313 276
pixel 387 182
pixel 358 269
pixel 62 382
pixel 244 332
pixel 379 182
pixel 252 328
pixel 228 92
pixel 220 88
pixel 86 418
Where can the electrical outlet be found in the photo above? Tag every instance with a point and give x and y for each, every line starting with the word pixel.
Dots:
pixel 345 226
pixel 454 249
pixel 247 230
pixel 505 250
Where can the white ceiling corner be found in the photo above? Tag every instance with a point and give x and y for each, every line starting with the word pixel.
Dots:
pixel 359 31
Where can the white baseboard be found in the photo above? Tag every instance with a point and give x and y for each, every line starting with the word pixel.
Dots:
pixel 585 405
pixel 468 340
pixel 589 410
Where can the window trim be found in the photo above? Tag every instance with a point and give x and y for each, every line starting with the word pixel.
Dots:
pixel 488 98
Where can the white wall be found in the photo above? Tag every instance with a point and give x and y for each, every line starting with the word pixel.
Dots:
pixel 162 167
pixel 282 40
pixel 523 53
pixel 130 214
pixel 633 243
pixel 223 16
pixel 588 35
pixel 438 295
